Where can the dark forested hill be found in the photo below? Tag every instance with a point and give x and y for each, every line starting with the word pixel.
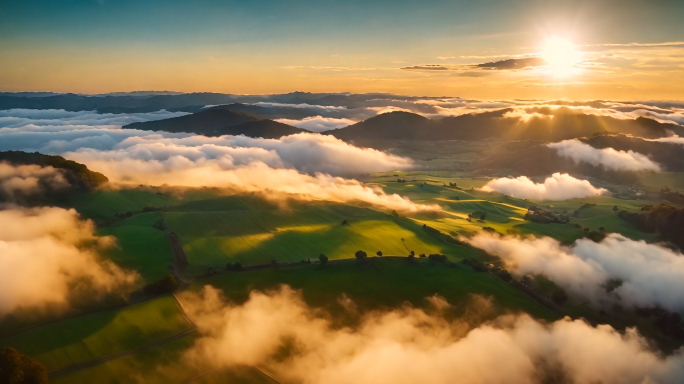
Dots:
pixel 77 174
pixel 219 121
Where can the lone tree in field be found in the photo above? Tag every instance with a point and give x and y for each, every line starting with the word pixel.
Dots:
pixel 413 254
pixel 379 253
pixel 615 208
pixel 360 255
pixel 16 368
pixel 323 258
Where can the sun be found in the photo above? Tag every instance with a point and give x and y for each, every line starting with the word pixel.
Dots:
pixel 561 57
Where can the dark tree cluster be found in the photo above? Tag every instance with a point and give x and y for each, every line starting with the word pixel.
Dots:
pixel 236 266
pixel 436 257
pixel 166 284
pixel 323 258
pixel 475 264
pixel 401 180
pixel 671 196
pixel 16 368
pixel 669 323
pixel 360 255
pixel 664 219
pixel 539 215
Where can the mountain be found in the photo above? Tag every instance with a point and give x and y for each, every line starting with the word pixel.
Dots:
pixel 270 112
pixel 219 121
pixel 545 124
pixel 77 174
pixel 392 126
pixel 113 104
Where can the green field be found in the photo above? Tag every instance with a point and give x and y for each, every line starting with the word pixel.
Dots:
pixel 381 282
pixel 92 336
pixel 257 236
pixel 161 364
pixel 140 246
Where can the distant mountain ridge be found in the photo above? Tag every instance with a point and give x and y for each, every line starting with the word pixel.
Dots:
pixel 219 121
pixel 562 124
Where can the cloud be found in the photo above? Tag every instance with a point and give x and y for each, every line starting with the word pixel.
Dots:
pixel 509 64
pixel 427 67
pixel 49 259
pixel 650 274
pixel 300 166
pixel 22 181
pixel 641 45
pixel 13 118
pixel 279 332
pixel 306 165
pixel 318 123
pixel 670 139
pixel 609 158
pixel 559 186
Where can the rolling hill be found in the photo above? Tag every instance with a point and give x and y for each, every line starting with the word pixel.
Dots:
pixel 546 125
pixel 219 121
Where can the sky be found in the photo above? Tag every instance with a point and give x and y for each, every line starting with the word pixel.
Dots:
pixel 580 49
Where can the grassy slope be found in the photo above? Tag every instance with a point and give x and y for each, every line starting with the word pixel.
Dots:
pixel 505 214
pixel 381 282
pixel 141 247
pixel 95 335
pixel 161 364
pixel 257 236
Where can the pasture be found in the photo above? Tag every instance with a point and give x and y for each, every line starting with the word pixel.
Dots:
pixel 95 335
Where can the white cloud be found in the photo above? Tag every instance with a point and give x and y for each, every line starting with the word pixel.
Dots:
pixel 318 123
pixel 651 275
pixel 609 158
pixel 556 187
pixel 18 181
pixel 670 139
pixel 410 345
pixel 49 257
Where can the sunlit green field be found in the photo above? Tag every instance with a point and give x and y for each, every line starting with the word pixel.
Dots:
pixel 258 236
pixel 92 336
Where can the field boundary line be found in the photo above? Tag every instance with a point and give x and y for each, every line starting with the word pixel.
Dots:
pixel 117 355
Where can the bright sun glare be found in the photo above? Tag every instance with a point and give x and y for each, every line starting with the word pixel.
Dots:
pixel 561 56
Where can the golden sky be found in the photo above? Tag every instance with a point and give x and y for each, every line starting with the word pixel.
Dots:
pixel 583 49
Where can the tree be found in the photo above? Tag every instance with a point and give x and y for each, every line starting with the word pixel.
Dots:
pixel 166 284
pixel 412 253
pixel 237 266
pixel 559 297
pixel 483 215
pixel 379 253
pixel 16 368
pixel 505 275
pixel 615 208
pixel 360 255
pixel 323 258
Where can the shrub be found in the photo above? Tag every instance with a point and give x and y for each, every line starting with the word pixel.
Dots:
pixel 237 266
pixel 505 275
pixel 166 284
